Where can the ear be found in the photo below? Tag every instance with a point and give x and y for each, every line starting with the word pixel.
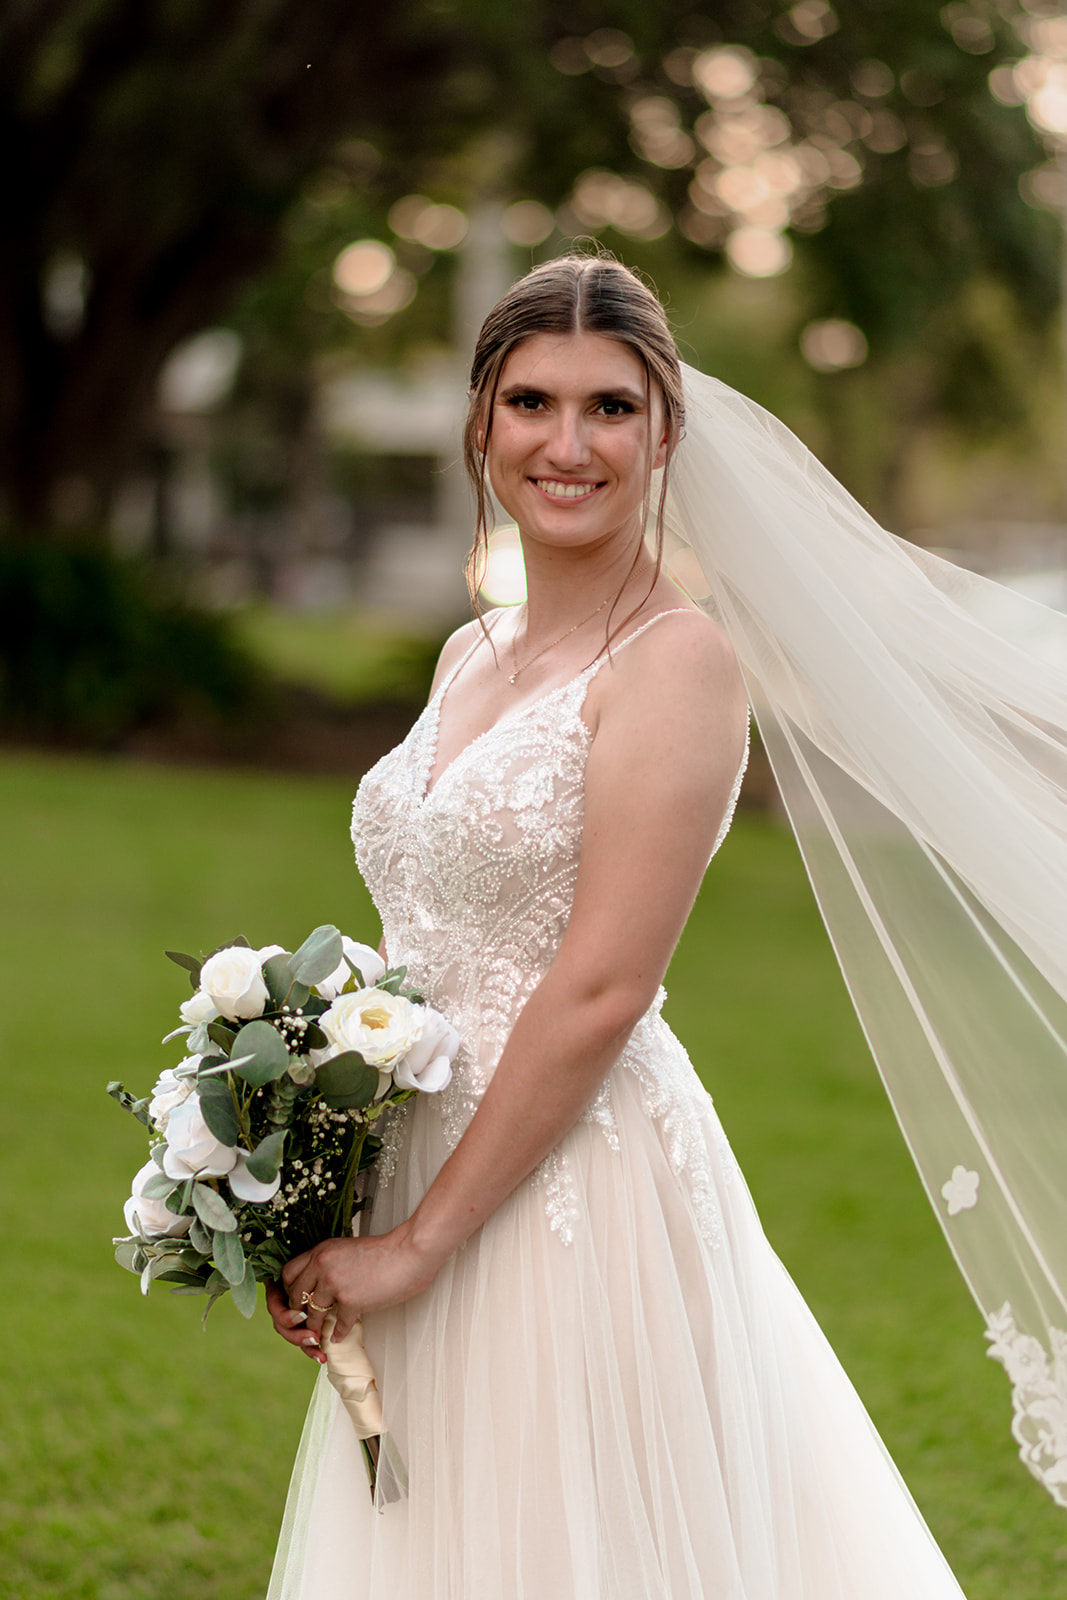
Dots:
pixel 662 450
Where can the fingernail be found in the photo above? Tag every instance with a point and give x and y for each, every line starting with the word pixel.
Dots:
pixel 299 1316
pixel 311 1341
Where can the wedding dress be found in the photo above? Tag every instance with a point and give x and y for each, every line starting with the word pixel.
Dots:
pixel 613 1391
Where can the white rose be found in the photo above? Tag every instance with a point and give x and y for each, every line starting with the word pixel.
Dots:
pixel 381 1026
pixel 245 1187
pixel 198 1008
pixel 428 1064
pixel 192 1149
pixel 232 979
pixel 368 964
pixel 173 1087
pixel 154 1217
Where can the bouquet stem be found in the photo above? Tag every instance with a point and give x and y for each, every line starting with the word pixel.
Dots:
pixel 350 1372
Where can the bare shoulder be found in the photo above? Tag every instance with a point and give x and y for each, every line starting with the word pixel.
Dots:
pixel 678 658
pixel 458 643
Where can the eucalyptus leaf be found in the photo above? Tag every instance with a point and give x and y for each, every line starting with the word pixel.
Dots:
pixel 213 1072
pixel 230 1257
pixel 392 981
pixel 222 1034
pixel 157 1152
pixel 268 1057
pixel 189 1288
pixel 187 1280
pixel 218 1109
pixel 319 955
pixel 244 1295
pixel 159 1187
pixel 212 1209
pixel 278 976
pixel 216 1284
pixel 313 1038
pixel 346 1074
pixel 266 1158
pixel 315 1005
pixel 343 1074
pixel 190 963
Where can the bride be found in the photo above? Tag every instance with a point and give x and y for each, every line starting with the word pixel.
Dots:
pixel 598 1381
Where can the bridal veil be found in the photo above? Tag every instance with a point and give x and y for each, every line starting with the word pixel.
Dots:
pixel 915 715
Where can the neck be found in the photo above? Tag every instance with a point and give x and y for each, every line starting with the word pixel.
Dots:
pixel 564 586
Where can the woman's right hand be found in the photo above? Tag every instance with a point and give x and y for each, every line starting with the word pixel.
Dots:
pixel 291 1324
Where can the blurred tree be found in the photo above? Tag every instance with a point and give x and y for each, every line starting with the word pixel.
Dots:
pixel 156 151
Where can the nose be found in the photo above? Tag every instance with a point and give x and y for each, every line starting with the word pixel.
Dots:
pixel 568 447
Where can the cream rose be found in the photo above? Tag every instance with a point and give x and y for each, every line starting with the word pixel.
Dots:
pixel 381 1026
pixel 367 962
pixel 232 980
pixel 155 1220
pixel 192 1149
pixel 173 1087
pixel 428 1064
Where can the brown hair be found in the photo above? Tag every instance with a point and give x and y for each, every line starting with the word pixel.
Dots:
pixel 572 294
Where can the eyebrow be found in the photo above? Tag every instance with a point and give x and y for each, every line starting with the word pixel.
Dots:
pixel 514 389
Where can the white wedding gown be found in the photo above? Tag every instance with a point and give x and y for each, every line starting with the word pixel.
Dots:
pixel 613 1391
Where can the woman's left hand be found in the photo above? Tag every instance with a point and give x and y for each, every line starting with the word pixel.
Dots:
pixel 351 1276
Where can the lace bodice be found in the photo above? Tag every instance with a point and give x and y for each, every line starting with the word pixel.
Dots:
pixel 473 878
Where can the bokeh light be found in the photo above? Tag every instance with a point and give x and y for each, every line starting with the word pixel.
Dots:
pixel 758 252
pixel 425 222
pixel 364 268
pixel 527 222
pixel 833 344
pixel 504 578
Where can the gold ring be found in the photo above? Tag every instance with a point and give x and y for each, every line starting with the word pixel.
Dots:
pixel 316 1307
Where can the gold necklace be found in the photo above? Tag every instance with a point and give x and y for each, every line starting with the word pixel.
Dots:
pixel 545 648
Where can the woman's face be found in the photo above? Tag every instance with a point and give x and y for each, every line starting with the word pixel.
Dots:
pixel 572 434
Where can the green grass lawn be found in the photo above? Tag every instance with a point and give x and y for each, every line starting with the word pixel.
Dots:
pixel 141 1458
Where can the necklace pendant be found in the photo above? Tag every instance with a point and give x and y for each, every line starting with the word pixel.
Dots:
pixel 512 678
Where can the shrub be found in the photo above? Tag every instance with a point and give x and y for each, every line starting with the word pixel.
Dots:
pixel 93 646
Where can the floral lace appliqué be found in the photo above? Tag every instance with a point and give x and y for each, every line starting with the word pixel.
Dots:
pixel 1039 1396
pixel 473 876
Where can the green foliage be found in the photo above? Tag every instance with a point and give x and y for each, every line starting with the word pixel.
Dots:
pixel 318 956
pixel 259 1053
pixel 92 646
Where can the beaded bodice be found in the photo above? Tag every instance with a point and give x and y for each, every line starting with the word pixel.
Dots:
pixel 473 878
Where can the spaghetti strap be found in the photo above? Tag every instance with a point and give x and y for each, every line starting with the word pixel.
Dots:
pixel 595 666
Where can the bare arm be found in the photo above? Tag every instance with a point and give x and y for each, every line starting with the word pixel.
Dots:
pixel 668 741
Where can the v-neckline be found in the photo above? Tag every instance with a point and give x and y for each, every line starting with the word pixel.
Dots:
pixel 428 784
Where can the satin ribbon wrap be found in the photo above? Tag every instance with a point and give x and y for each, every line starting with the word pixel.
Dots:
pixel 349 1370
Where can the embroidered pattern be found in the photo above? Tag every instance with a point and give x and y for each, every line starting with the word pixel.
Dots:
pixel 960 1193
pixel 473 879
pixel 1039 1396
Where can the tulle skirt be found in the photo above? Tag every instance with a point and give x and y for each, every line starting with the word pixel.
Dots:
pixel 627 1405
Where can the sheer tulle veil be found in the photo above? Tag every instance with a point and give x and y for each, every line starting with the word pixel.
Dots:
pixel 915 715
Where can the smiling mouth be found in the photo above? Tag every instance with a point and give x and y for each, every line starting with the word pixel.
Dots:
pixel 557 489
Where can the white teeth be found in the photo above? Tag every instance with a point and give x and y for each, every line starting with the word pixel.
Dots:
pixel 564 491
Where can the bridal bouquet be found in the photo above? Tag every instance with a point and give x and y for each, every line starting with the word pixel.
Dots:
pixel 259 1135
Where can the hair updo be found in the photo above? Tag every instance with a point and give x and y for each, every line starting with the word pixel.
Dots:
pixel 572 294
